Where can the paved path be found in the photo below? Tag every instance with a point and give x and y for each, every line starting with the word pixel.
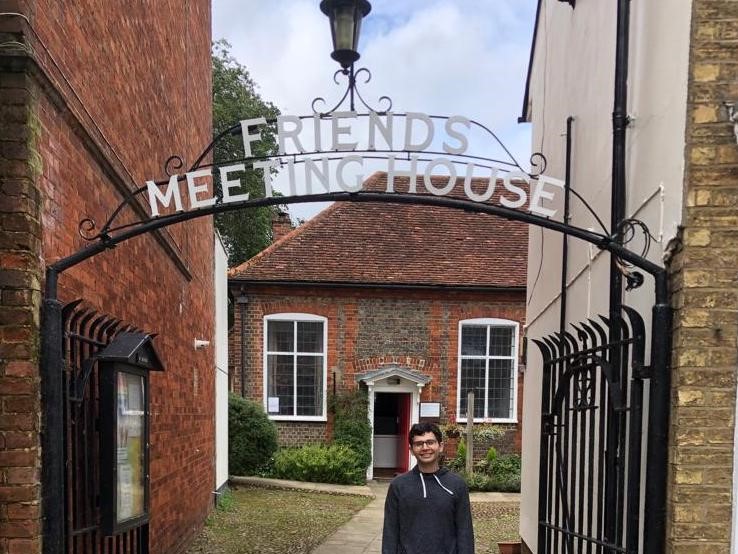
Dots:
pixel 362 534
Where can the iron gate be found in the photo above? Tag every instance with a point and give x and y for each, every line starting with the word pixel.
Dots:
pixel 85 333
pixel 591 438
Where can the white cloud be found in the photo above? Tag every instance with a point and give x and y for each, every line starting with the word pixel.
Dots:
pixel 441 57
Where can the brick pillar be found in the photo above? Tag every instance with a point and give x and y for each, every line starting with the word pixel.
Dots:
pixel 705 287
pixel 20 299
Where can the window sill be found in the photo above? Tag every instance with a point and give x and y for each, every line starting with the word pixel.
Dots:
pixel 298 418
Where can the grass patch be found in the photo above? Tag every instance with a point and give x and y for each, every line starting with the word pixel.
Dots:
pixel 494 522
pixel 273 521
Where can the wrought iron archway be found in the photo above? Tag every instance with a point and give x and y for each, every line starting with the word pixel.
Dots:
pixel 112 234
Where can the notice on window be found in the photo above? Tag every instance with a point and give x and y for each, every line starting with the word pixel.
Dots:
pixel 273 405
pixel 430 409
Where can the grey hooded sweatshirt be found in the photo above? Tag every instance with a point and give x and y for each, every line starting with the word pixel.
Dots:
pixel 427 513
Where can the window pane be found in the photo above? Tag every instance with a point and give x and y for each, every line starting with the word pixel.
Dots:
pixel 501 388
pixel 473 340
pixel 281 335
pixel 310 336
pixel 501 341
pixel 472 379
pixel 310 385
pixel 280 380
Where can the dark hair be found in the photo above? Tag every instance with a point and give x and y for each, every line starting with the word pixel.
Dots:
pixel 423 428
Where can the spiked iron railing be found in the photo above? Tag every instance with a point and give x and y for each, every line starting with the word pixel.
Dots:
pixel 591 434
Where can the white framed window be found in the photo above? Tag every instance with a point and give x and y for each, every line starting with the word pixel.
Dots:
pixel 295 366
pixel 488 366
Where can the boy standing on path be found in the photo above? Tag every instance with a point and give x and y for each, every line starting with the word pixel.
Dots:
pixel 427 509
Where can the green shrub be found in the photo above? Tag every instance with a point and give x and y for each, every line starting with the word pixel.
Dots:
pixel 357 436
pixel 351 425
pixel 319 464
pixel 488 432
pixel 491 455
pixel 252 436
pixel 506 466
pixel 461 451
pixel 487 483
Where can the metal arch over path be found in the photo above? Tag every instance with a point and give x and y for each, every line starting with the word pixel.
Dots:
pixel 110 236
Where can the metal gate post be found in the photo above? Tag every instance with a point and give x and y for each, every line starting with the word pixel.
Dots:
pixel 52 419
pixel 657 455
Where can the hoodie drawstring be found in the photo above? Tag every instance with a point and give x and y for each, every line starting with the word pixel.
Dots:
pixel 441 485
pixel 425 491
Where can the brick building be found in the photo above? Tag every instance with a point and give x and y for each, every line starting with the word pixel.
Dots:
pixel 93 99
pixel 379 296
pixel 681 168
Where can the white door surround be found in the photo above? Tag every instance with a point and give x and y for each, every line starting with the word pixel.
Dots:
pixel 393 379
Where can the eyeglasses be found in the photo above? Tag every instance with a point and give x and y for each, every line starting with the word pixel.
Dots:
pixel 429 443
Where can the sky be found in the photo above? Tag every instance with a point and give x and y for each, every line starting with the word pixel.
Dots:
pixel 441 57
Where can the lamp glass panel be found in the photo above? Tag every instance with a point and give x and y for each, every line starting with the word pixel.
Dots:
pixel 343 31
pixel 357 32
pixel 130 453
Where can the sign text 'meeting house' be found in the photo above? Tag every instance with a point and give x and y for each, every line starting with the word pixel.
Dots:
pixel 340 130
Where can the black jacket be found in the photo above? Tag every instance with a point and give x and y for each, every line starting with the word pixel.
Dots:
pixel 427 513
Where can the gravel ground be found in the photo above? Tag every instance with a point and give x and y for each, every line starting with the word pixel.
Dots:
pixel 265 521
pixel 494 523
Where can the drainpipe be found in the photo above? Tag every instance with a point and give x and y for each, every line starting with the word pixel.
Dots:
pixel 657 455
pixel 242 302
pixel 619 126
pixel 565 236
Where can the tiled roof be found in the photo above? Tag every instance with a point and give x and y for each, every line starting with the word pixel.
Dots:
pixel 397 244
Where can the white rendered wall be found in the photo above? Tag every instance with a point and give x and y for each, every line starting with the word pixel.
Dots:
pixel 221 364
pixel 573 75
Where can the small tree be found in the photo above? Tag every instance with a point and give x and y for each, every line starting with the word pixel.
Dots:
pixel 252 436
pixel 235 98
pixel 351 424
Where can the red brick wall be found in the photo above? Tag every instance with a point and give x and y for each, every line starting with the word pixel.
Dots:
pixel 368 328
pixel 114 92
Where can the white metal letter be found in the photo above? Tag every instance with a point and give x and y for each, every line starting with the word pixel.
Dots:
pixel 385 129
pixel 473 196
pixel 507 182
pixel 267 166
pixel 339 130
pixel 410 118
pixel 539 193
pixel 318 146
pixel 311 168
pixel 283 134
pixel 343 185
pixel 429 172
pixel 194 189
pixel 392 173
pixel 228 184
pixel 249 138
pixel 165 199
pixel 453 133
